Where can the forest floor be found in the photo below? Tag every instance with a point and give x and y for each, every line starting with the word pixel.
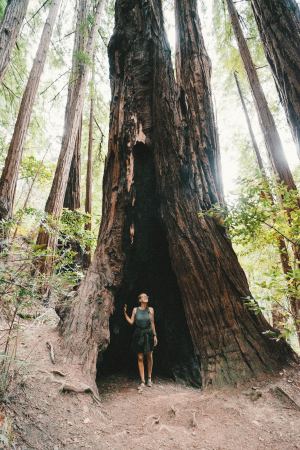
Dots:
pixel 263 414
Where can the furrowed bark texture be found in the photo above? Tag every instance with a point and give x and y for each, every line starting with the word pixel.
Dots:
pixel 87 259
pixel 14 14
pixel 73 115
pixel 9 177
pixel 193 75
pixel 72 196
pixel 151 236
pixel 278 22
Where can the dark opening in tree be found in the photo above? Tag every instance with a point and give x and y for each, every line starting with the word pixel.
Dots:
pixel 148 269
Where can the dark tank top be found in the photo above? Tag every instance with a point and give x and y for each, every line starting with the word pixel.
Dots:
pixel 142 318
pixel 143 339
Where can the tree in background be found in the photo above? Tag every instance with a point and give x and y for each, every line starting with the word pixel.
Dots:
pixel 73 115
pixel 89 170
pixel 10 172
pixel 72 196
pixel 278 22
pixel 273 143
pixel 272 139
pixel 278 319
pixel 12 20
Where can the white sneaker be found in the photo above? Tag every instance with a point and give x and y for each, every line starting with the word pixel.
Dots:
pixel 149 382
pixel 141 386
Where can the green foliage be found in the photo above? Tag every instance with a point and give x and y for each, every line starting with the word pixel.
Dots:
pixel 2 8
pixel 83 58
pixel 25 281
pixel 255 224
pixel 256 217
pixel 226 45
pixel 32 168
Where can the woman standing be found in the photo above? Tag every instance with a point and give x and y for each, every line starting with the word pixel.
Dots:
pixel 144 336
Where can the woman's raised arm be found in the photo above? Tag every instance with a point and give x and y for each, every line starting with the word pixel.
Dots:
pixel 129 319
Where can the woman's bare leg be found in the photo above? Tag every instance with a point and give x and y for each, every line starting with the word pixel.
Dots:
pixel 141 366
pixel 149 364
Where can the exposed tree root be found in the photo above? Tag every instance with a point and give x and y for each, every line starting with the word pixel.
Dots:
pixel 283 395
pixel 81 388
pixel 51 350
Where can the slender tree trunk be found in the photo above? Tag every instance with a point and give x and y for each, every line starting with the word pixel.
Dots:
pixel 278 22
pixel 72 200
pixel 193 74
pixel 89 172
pixel 29 192
pixel 152 237
pixel 250 129
pixel 55 200
pixel 14 14
pixel 72 196
pixel 272 140
pixel 8 181
pixel 277 316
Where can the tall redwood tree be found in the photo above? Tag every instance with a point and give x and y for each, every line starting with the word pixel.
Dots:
pixel 279 26
pixel 152 237
pixel 277 316
pixel 9 177
pixel 272 139
pixel 10 26
pixel 55 201
pixel 72 195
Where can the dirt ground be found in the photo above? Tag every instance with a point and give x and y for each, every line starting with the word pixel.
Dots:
pixel 261 415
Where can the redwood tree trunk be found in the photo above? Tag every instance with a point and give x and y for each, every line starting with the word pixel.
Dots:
pixel 55 200
pixel 89 175
pixel 272 140
pixel 271 136
pixel 193 74
pixel 72 196
pixel 9 178
pixel 277 316
pixel 14 14
pixel 152 237
pixel 250 129
pixel 279 27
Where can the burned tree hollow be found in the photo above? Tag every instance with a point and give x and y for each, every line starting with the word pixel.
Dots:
pixel 148 269
pixel 155 236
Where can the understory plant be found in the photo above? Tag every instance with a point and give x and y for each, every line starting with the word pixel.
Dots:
pixel 264 213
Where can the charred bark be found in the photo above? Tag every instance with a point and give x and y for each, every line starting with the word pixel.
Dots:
pixel 151 235
pixel 193 75
pixel 14 14
pixel 278 22
pixel 9 177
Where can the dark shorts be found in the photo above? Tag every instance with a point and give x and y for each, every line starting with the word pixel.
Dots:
pixel 142 340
